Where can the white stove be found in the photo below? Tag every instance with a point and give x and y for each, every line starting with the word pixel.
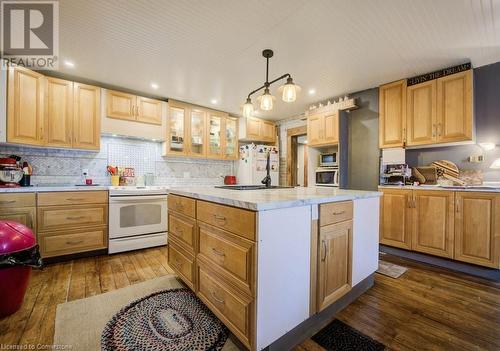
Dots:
pixel 138 217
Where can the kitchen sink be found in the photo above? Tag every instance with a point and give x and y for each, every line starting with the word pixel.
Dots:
pixel 252 187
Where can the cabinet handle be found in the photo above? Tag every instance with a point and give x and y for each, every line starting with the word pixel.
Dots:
pixel 137 111
pixel 404 135
pixel 408 202
pixel 219 300
pixel 74 199
pixel 74 242
pixel 178 230
pixel 217 252
pixel 434 130
pixel 439 129
pixel 179 206
pixel 75 218
pixel 132 110
pixel 323 258
pixel 220 218
pixel 457 206
pixel 338 213
pixel 7 202
pixel 414 201
pixel 30 223
pixel 41 133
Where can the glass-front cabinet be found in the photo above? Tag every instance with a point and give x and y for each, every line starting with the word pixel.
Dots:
pixel 231 142
pixel 197 128
pixel 214 135
pixel 176 131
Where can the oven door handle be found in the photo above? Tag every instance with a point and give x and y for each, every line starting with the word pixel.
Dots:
pixel 135 198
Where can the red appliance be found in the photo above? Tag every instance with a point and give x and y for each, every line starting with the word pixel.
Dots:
pixel 230 180
pixel 10 173
pixel 14 239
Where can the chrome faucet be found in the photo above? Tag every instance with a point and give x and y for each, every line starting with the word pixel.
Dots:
pixel 267 179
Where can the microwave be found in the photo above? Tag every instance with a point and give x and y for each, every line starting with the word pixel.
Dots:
pixel 327 176
pixel 328 159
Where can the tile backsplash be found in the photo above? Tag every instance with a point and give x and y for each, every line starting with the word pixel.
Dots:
pixel 59 166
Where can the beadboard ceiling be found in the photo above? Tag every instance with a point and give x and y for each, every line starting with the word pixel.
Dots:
pixel 199 50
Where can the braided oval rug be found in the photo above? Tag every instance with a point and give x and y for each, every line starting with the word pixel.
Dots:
pixel 169 320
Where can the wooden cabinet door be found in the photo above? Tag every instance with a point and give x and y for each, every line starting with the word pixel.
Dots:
pixel 334 268
pixel 433 222
pixel 331 128
pixel 177 130
pixel 197 133
pixel 148 110
pixel 120 105
pixel 421 113
pixel 454 107
pixel 268 131
pixel 315 129
pixel 231 150
pixel 392 112
pixel 86 116
pixel 23 215
pixel 59 112
pixel 214 135
pixel 477 228
pixel 25 97
pixel 253 128
pixel 395 218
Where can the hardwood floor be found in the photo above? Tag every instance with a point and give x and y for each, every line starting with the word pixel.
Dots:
pixel 426 309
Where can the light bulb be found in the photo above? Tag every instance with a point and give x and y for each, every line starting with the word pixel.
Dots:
pixel 289 90
pixel 487 146
pixel 266 100
pixel 248 108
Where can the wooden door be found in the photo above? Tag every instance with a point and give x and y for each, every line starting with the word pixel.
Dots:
pixel 392 112
pixel 433 222
pixel 314 129
pixel 148 110
pixel 421 113
pixel 253 128
pixel 477 228
pixel 177 129
pixel 334 268
pixel 395 218
pixel 86 117
pixel 214 135
pixel 231 150
pixel 58 112
pixel 120 105
pixel 331 128
pixel 197 132
pixel 454 107
pixel 268 131
pixel 25 98
pixel 23 215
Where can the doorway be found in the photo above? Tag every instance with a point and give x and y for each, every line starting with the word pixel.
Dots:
pixel 297 157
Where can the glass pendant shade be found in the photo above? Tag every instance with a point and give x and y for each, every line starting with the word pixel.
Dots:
pixel 248 108
pixel 289 91
pixel 266 100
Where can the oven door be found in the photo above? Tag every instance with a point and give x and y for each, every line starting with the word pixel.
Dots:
pixel 327 177
pixel 137 215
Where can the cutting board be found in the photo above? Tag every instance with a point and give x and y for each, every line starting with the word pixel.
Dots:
pixel 446 167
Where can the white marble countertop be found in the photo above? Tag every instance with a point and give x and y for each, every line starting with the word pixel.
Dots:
pixel 270 199
pixel 42 188
pixel 492 187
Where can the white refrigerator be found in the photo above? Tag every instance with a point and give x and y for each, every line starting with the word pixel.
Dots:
pixel 252 164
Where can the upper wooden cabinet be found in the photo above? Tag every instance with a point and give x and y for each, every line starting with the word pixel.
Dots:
pixel 214 135
pixel 25 106
pixel 231 150
pixel 256 129
pixel 197 133
pixel 477 228
pixel 392 114
pixel 433 112
pixel 59 112
pixel 176 129
pixel 130 107
pixel 86 116
pixel 323 129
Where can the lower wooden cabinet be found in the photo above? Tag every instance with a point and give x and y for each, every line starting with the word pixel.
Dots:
pixel 477 228
pixel 23 215
pixel 334 268
pixel 182 263
pixel 464 226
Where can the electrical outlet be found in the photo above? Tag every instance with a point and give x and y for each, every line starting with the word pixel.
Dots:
pixel 476 159
pixel 85 172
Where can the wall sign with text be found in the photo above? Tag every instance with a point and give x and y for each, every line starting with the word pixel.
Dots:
pixel 438 74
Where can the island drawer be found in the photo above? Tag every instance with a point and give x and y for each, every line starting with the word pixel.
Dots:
pixel 233 309
pixel 72 241
pixel 63 217
pixel 182 263
pixel 183 228
pixel 235 220
pixel 17 200
pixel 62 198
pixel 183 205
pixel 231 255
pixel 335 212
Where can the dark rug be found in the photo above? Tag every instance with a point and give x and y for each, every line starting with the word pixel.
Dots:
pixel 338 336
pixel 172 320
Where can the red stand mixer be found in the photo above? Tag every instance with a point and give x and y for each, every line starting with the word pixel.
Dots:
pixel 10 173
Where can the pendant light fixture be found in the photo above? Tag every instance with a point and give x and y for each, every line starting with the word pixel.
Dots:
pixel 289 90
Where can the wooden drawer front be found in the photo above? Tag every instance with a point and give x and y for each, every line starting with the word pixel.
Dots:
pixel 72 198
pixel 17 200
pixel 23 215
pixel 235 220
pixel 181 263
pixel 181 204
pixel 51 218
pixel 335 212
pixel 229 252
pixel 70 242
pixel 234 310
pixel 182 228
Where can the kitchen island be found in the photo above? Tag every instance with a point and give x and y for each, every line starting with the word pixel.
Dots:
pixel 274 265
